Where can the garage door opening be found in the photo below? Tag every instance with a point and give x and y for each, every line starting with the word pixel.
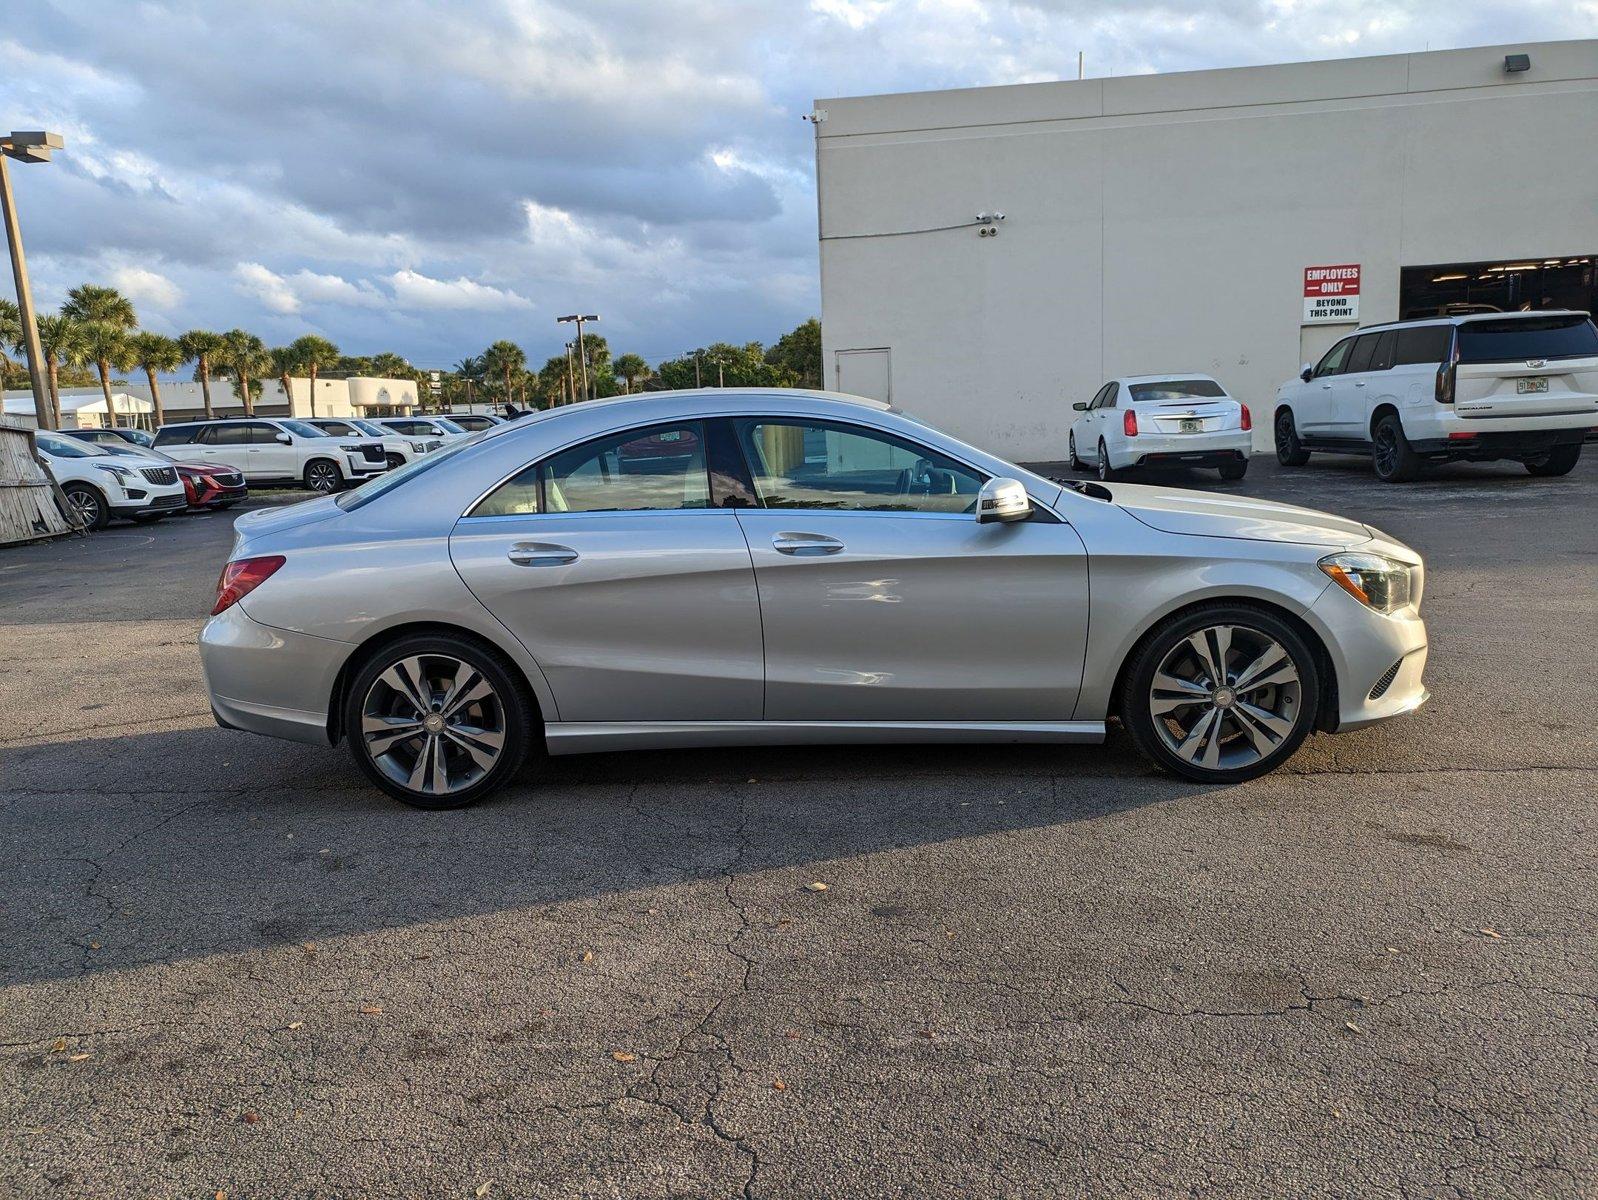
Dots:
pixel 1514 285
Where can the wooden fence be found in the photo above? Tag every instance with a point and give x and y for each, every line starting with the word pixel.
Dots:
pixel 30 506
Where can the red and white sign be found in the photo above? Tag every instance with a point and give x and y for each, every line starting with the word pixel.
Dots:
pixel 1331 294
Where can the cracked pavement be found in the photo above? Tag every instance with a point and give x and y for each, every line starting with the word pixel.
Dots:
pixel 229 965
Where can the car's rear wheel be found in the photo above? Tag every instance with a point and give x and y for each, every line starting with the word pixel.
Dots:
pixel 1234 471
pixel 1561 460
pixel 1393 458
pixel 1290 451
pixel 1221 694
pixel 437 721
pixel 323 477
pixel 88 505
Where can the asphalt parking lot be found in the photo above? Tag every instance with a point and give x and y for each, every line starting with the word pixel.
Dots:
pixel 229 965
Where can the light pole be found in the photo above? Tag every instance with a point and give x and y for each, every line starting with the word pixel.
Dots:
pixel 582 357
pixel 26 147
pixel 696 353
pixel 570 392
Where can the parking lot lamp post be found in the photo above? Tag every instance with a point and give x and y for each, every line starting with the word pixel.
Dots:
pixel 582 358
pixel 26 147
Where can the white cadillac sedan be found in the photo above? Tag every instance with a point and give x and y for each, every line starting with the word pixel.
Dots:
pixel 755 567
pixel 1161 420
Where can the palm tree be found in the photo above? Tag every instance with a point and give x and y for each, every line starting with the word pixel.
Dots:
pixel 631 367
pixel 389 365
pixel 154 352
pixel 243 355
pixel 108 318
pixel 314 353
pixel 61 342
pixel 470 370
pixel 504 359
pixel 199 345
pixel 10 332
pixel 284 363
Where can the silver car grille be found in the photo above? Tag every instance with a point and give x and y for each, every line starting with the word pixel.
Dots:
pixel 160 475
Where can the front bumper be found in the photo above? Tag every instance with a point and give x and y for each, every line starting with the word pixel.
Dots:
pixel 1379 660
pixel 142 501
pixel 269 681
pixel 358 466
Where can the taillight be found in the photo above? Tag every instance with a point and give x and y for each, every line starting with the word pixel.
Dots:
pixel 1129 423
pixel 241 577
pixel 1445 374
pixel 1248 420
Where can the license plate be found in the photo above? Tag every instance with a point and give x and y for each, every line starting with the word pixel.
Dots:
pixel 1190 425
pixel 1523 386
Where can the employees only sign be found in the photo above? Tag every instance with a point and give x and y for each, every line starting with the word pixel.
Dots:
pixel 1331 294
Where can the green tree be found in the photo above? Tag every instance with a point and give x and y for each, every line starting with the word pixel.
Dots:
pixel 470 372
pixel 61 343
pixel 798 354
pixel 722 364
pixel 244 356
pixel 315 353
pixel 108 318
pixel 505 360
pixel 199 346
pixel 285 361
pixel 631 368
pixel 10 335
pixel 154 353
pixel 389 365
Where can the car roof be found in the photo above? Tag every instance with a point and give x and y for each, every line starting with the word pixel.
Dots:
pixel 1468 318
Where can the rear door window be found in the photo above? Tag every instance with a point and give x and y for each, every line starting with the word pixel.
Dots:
pixel 637 471
pixel 1386 346
pixel 1427 344
pixel 1364 350
pixel 1111 395
pixel 175 435
pixel 1523 338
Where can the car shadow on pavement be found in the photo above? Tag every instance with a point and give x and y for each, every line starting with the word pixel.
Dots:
pixel 260 848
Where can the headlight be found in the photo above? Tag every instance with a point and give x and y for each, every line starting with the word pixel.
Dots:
pixel 1384 584
pixel 419 447
pixel 350 449
pixel 119 472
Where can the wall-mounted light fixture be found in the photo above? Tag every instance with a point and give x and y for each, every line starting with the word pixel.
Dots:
pixel 1515 63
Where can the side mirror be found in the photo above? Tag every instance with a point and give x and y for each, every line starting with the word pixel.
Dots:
pixel 1306 372
pixel 285 439
pixel 1003 500
pixel 1080 406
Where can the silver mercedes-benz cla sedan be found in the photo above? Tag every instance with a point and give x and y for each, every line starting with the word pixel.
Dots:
pixel 741 567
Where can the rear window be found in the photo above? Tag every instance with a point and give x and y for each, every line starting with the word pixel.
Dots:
pixel 379 485
pixel 1423 344
pixel 174 435
pixel 1176 389
pixel 1518 339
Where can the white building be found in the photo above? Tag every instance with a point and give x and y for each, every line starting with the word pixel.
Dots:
pixel 185 401
pixel 1181 222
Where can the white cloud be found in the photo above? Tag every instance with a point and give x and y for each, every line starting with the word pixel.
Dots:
pixel 146 287
pixel 267 286
pixel 313 288
pixel 415 290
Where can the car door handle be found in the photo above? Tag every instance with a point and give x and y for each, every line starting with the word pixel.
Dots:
pixel 805 545
pixel 1359 383
pixel 1326 387
pixel 540 554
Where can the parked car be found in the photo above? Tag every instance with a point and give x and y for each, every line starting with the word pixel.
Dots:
pixel 114 434
pixel 397 448
pixel 473 422
pixel 1184 420
pixel 1477 387
pixel 279 450
pixel 433 431
pixel 757 567
pixel 212 486
pixel 100 485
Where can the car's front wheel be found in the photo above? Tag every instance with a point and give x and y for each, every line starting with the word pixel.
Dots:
pixel 1221 694
pixel 1290 451
pixel 88 505
pixel 323 477
pixel 1076 463
pixel 437 721
pixel 1104 470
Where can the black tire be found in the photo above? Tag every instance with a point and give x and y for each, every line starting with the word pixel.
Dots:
pixel 1138 683
pixel 1105 472
pixel 224 505
pixel 1076 463
pixel 323 477
pixel 90 506
pixel 147 518
pixel 1234 471
pixel 1290 451
pixel 1561 460
pixel 516 712
pixel 394 461
pixel 1392 457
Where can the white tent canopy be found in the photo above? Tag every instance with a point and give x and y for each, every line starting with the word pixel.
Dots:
pixel 75 408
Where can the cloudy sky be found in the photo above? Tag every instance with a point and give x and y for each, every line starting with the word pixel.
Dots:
pixel 427 178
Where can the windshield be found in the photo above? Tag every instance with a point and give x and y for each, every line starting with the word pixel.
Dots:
pixel 447 425
pixel 304 429
pixel 371 430
pixel 382 484
pixel 69 447
pixel 1176 389
pixel 1519 338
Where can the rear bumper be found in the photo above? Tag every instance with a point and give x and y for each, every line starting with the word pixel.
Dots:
pixel 1189 449
pixel 269 681
pixel 1191 458
pixel 1486 445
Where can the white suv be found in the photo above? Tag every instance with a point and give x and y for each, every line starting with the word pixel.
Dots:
pixel 1477 387
pixel 281 450
pixel 397 448
pixel 100 485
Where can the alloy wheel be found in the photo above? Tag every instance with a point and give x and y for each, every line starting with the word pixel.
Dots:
pixel 1226 697
pixel 433 724
pixel 1385 451
pixel 1284 437
pixel 323 477
pixel 1104 462
pixel 85 506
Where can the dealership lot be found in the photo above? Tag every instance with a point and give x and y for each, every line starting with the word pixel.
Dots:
pixel 228 964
